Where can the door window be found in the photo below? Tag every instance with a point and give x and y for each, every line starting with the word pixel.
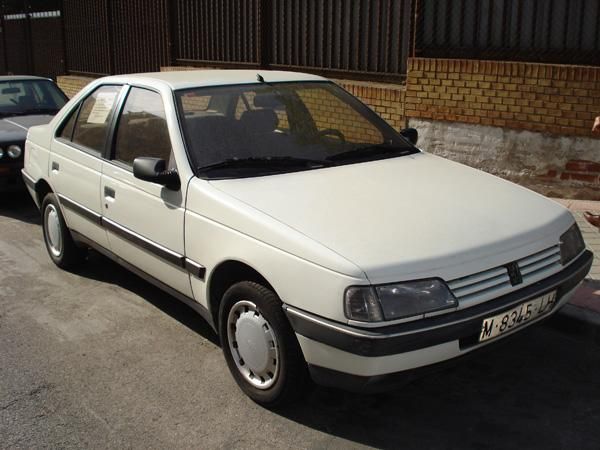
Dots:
pixel 142 128
pixel 93 123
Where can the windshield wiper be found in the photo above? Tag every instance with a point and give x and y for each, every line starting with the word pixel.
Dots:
pixel 268 162
pixel 372 150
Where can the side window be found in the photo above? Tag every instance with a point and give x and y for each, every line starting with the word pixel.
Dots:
pixel 93 123
pixel 142 128
pixel 67 127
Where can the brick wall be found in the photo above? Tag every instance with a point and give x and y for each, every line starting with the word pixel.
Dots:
pixel 71 84
pixel 387 100
pixel 558 99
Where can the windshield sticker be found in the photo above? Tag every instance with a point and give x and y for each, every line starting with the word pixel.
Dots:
pixel 102 107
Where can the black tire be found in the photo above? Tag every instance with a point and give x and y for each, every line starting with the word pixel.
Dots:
pixel 292 378
pixel 69 255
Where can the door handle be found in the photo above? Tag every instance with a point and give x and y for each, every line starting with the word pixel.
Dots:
pixel 55 166
pixel 109 192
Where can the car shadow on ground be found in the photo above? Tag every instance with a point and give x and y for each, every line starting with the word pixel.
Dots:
pixel 539 390
pixel 19 206
pixel 100 268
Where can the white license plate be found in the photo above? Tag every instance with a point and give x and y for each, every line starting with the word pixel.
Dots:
pixel 516 317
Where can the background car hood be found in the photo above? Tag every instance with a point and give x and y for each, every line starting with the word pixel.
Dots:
pixel 407 217
pixel 15 128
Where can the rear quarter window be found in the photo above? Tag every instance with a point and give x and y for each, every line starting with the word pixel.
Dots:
pixel 94 119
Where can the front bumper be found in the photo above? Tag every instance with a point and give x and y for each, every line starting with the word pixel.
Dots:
pixel 365 359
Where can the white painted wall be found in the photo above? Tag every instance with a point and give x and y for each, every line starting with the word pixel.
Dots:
pixel 520 156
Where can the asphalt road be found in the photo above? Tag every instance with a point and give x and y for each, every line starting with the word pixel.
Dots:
pixel 100 359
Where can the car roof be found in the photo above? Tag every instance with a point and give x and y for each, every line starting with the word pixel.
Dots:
pixel 208 77
pixel 21 78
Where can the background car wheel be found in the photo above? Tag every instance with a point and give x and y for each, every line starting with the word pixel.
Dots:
pixel 259 345
pixel 59 243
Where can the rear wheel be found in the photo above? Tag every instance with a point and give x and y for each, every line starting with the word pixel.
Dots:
pixel 59 243
pixel 259 345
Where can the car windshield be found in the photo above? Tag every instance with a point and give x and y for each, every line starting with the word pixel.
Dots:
pixel 24 97
pixel 261 129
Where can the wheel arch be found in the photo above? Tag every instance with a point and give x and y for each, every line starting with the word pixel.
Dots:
pixel 42 188
pixel 225 275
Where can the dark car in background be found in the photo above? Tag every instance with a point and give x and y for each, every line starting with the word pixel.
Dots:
pixel 25 101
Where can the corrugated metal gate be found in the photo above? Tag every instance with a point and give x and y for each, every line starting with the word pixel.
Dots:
pixel 32 43
pixel 47 46
pixel 17 43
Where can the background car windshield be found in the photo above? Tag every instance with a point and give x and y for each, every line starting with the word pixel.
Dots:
pixel 22 97
pixel 313 121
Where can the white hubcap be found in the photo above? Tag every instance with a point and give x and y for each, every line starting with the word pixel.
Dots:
pixel 253 344
pixel 52 226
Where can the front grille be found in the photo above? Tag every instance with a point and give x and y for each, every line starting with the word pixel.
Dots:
pixel 540 265
pixel 488 284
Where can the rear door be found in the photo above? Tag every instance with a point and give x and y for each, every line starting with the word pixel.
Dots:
pixel 144 220
pixel 76 161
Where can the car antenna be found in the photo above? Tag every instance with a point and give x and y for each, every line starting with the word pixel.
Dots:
pixel 260 78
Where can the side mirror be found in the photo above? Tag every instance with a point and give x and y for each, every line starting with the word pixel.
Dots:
pixel 411 134
pixel 154 171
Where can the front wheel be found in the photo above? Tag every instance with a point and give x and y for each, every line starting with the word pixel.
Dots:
pixel 59 243
pixel 259 345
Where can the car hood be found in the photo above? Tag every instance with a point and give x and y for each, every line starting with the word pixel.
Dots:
pixel 15 128
pixel 408 217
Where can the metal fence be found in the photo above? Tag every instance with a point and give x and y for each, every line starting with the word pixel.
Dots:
pixel 139 35
pixel 116 36
pixel 218 32
pixel 365 39
pixel 552 31
pixel 349 38
pixel 360 38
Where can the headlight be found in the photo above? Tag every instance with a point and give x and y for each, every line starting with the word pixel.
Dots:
pixel 14 151
pixel 571 244
pixel 397 301
pixel 362 304
pixel 1 152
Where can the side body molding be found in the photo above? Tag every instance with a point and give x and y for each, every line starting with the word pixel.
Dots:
pixel 170 256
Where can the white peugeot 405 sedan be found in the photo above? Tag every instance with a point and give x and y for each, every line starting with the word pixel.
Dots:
pixel 317 241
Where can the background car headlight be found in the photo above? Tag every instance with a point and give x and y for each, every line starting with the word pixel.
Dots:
pixel 1 152
pixel 397 301
pixel 14 151
pixel 571 244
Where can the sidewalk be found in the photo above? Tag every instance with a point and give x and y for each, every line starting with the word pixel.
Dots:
pixel 582 313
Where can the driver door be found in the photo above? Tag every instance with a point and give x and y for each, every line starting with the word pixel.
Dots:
pixel 144 220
